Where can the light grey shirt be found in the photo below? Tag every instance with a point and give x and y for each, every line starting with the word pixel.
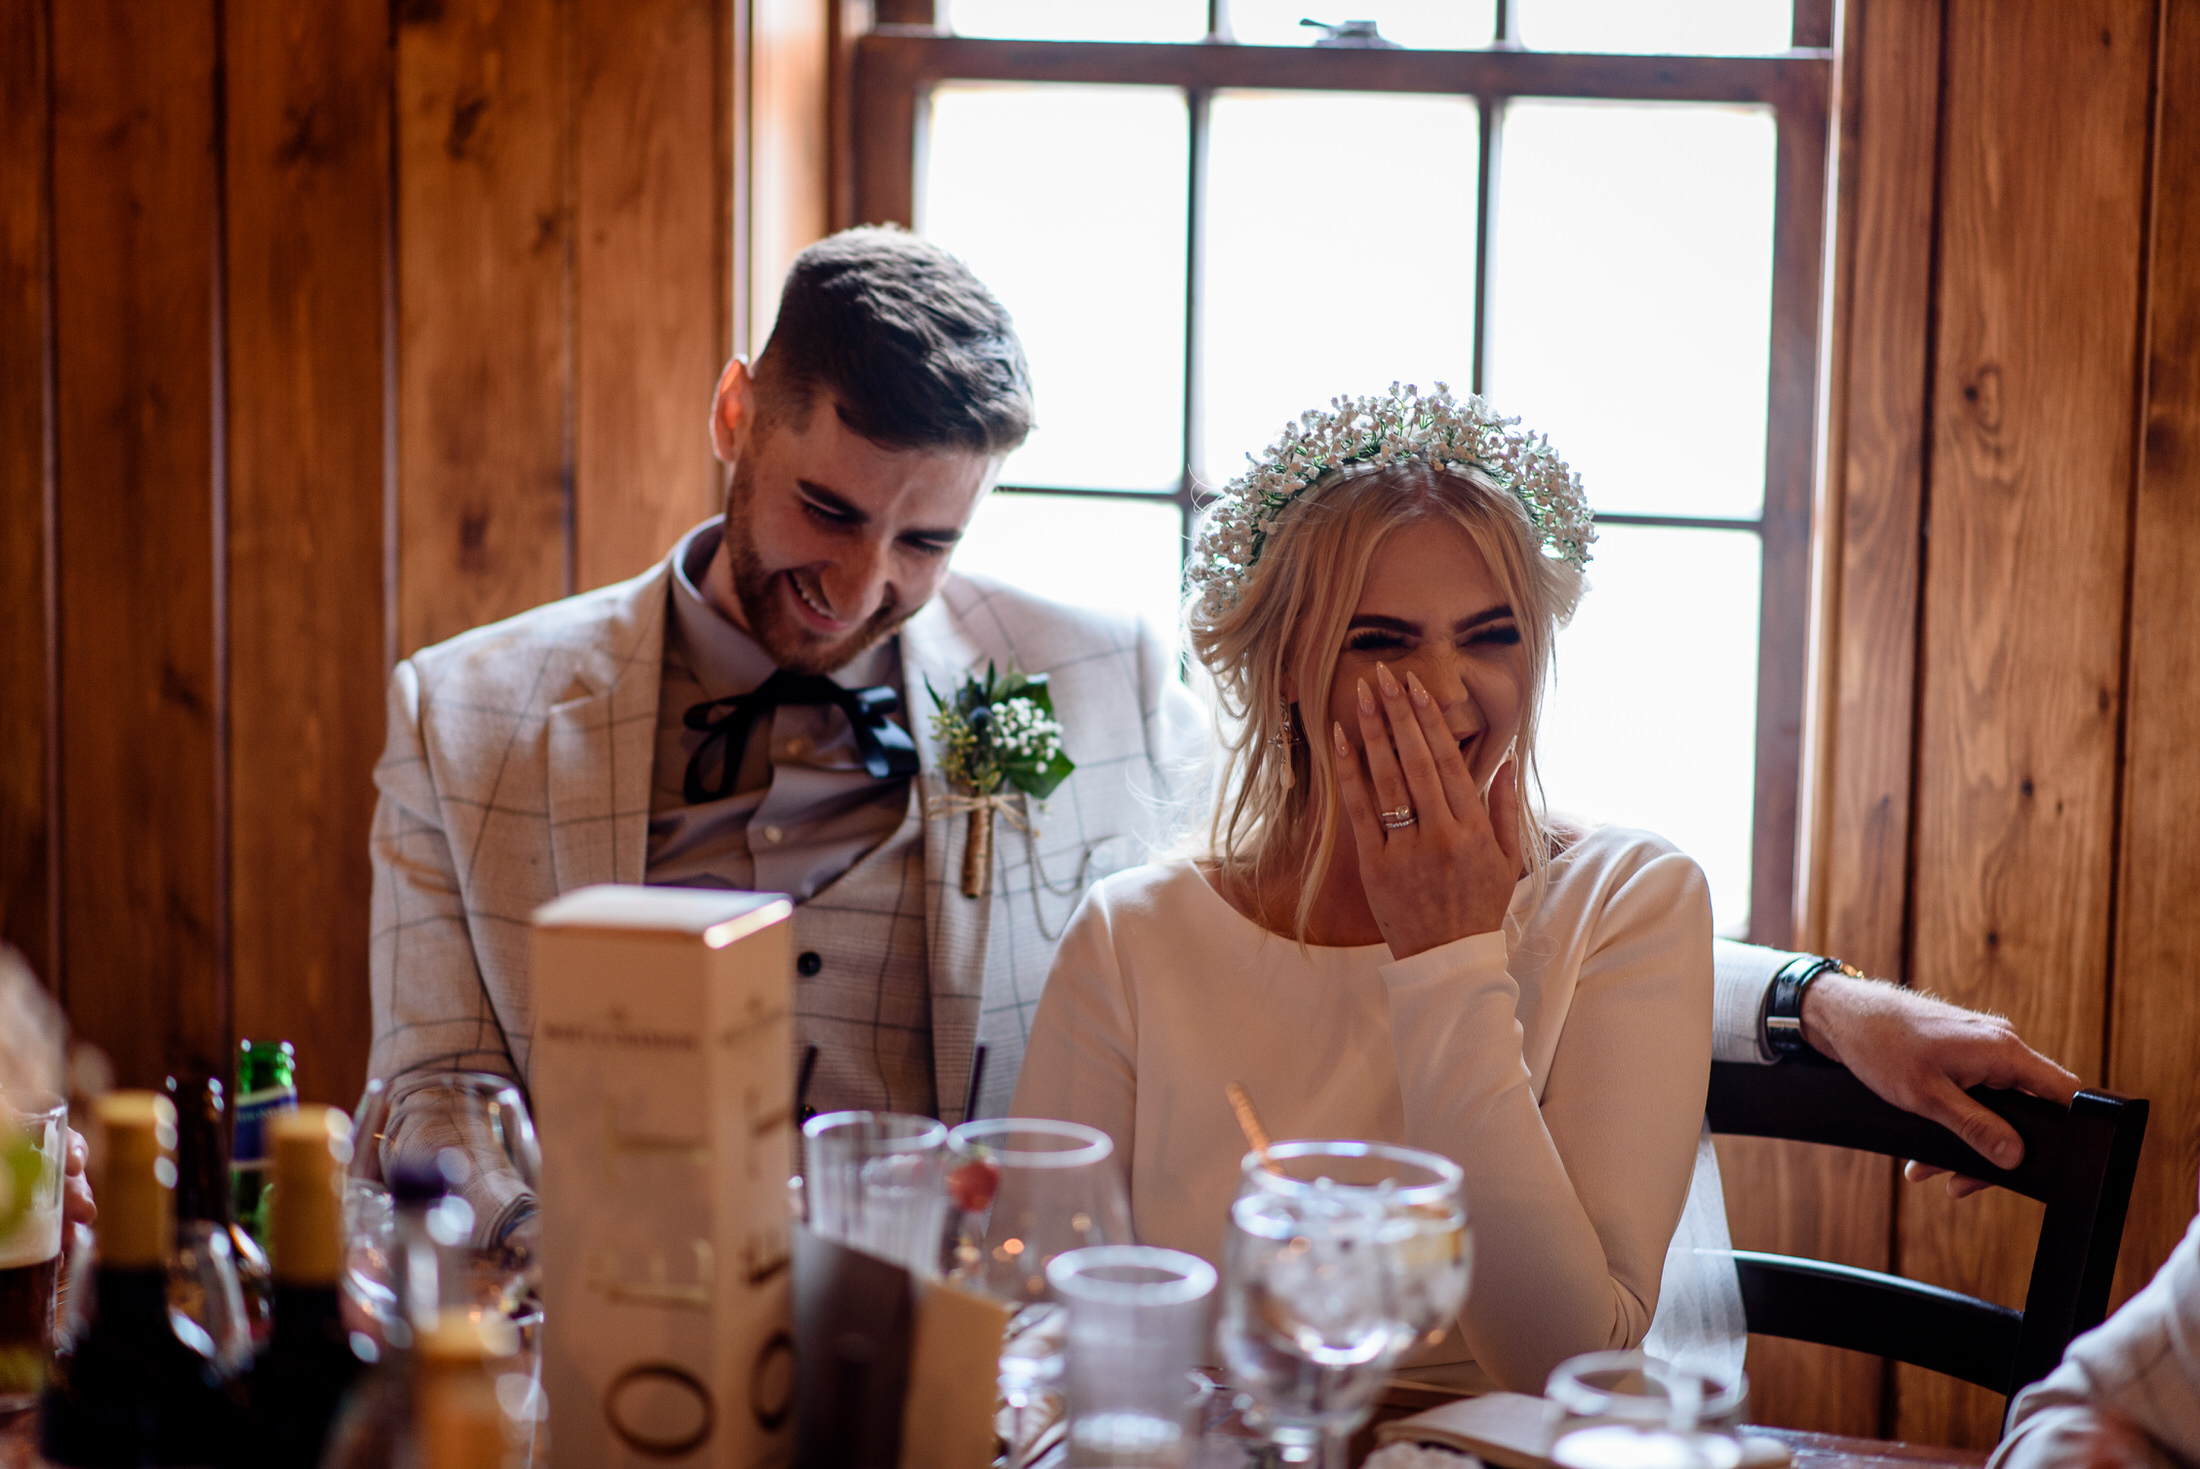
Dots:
pixel 2141 1365
pixel 803 810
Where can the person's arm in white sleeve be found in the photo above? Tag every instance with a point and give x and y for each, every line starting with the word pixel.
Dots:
pixel 2126 1392
pixel 1080 1064
pixel 1742 977
pixel 1572 1202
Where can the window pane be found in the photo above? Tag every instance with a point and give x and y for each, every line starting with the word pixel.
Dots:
pixel 1672 27
pixel 1652 722
pixel 1070 203
pixel 1339 257
pixel 1076 20
pixel 1435 25
pixel 1117 553
pixel 1631 297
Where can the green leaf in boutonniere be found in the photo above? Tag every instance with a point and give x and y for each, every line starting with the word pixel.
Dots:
pixel 998 729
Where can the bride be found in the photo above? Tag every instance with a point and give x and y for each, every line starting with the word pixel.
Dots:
pixel 1383 937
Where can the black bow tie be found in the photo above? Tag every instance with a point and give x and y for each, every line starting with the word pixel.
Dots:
pixel 884 745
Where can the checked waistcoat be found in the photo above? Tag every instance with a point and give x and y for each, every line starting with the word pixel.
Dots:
pixel 862 989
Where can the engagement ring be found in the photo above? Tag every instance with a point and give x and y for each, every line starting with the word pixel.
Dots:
pixel 1399 819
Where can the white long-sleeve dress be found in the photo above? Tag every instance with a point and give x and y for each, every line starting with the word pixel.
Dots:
pixel 1562 1063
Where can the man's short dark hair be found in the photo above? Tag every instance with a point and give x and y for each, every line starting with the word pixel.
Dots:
pixel 915 351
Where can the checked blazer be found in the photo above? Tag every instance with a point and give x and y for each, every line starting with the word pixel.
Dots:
pixel 518 767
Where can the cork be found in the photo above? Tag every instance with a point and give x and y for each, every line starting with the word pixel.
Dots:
pixel 137 1195
pixel 309 1148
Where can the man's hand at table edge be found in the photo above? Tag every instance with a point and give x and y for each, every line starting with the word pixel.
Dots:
pixel 1921 1054
pixel 2079 1436
pixel 76 1197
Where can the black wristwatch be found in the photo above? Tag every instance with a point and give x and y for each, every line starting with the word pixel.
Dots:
pixel 1783 1022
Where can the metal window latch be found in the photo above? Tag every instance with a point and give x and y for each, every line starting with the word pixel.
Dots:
pixel 1351 35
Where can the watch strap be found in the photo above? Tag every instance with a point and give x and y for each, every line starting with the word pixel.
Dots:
pixel 1783 1023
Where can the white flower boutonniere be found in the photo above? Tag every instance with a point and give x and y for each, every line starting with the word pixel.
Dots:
pixel 997 735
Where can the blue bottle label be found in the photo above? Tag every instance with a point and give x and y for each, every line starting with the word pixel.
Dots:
pixel 249 1149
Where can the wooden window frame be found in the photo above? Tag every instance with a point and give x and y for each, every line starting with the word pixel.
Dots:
pixel 895 67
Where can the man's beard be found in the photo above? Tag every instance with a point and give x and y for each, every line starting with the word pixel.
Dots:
pixel 775 628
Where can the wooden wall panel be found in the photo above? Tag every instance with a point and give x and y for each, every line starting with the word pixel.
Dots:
pixel 2154 1046
pixel 2040 230
pixel 26 889
pixel 307 230
pixel 649 293
pixel 1875 519
pixel 484 368
pixel 790 64
pixel 1825 1203
pixel 536 197
pixel 135 200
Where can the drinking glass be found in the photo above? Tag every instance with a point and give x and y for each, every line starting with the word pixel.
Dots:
pixel 34 1132
pixel 878 1181
pixel 1136 1317
pixel 1338 1258
pixel 474 1127
pixel 1629 1410
pixel 370 1219
pixel 1026 1190
pixel 1431 1248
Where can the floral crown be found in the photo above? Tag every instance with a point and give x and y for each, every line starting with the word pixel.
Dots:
pixel 1357 436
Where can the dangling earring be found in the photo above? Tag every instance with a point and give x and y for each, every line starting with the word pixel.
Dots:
pixel 1284 738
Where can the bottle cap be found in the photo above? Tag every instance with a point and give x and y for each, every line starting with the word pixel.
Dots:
pixel 311 1147
pixel 137 1192
pixel 416 1181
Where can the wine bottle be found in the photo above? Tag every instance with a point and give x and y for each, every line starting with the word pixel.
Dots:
pixel 267 1083
pixel 132 1392
pixel 216 1273
pixel 300 1376
pixel 460 1424
pixel 430 1402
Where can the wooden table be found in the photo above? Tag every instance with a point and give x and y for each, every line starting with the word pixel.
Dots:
pixel 1834 1451
pixel 19 1449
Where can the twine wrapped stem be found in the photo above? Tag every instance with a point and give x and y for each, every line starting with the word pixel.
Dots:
pixel 977 871
pixel 978 852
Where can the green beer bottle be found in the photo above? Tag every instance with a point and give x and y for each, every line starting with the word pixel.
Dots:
pixel 267 1083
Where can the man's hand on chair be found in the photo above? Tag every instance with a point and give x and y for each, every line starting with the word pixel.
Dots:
pixel 1921 1054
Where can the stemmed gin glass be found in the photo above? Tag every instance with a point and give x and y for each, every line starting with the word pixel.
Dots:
pixel 1339 1258
pixel 473 1127
pixel 1025 1190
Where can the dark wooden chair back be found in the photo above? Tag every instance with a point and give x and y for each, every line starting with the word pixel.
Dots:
pixel 2079 1162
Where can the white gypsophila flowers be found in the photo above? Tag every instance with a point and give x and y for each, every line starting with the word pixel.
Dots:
pixel 1023 731
pixel 1356 436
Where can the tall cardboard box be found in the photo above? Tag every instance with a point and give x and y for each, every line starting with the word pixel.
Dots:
pixel 662 1088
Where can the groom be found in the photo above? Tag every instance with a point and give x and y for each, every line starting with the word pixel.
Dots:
pixel 717 722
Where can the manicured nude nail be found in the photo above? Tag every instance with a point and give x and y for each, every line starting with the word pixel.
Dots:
pixel 1367 700
pixel 1344 746
pixel 1390 685
pixel 1420 695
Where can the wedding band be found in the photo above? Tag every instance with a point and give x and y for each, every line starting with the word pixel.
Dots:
pixel 1399 819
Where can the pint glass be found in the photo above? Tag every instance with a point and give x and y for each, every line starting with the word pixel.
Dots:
pixel 34 1133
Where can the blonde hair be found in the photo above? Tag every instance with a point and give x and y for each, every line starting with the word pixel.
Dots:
pixel 1291 616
